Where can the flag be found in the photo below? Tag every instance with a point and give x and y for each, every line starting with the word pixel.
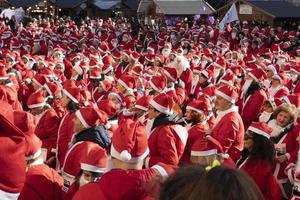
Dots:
pixel 230 16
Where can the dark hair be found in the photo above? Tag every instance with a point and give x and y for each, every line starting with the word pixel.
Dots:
pixel 180 184
pixel 222 183
pixel 263 149
pixel 72 106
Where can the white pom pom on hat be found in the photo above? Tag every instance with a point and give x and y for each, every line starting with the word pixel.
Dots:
pixel 125 155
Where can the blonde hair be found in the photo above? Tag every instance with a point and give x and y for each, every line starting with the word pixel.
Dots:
pixel 288 108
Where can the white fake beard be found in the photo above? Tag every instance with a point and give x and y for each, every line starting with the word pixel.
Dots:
pixel 276 129
pixel 82 181
pixel 149 125
pixel 265 116
pixel 246 86
pixel 166 52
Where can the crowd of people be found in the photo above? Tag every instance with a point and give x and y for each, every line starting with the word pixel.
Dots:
pixel 108 109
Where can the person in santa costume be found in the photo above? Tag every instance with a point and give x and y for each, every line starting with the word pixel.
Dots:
pixel 39 177
pixel 12 157
pixel 167 138
pixel 228 127
pixel 278 88
pixel 258 159
pixel 70 101
pixel 253 97
pixel 89 134
pixel 92 167
pixel 284 137
pixel 196 117
pixel 127 179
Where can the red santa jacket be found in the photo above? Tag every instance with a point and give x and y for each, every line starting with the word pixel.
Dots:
pixel 118 185
pixel 252 106
pixel 229 131
pixel 46 130
pixel 195 133
pixel 64 136
pixel 166 144
pixel 261 172
pixel 42 182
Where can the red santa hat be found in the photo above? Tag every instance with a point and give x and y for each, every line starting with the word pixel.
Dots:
pixel 25 121
pixel 117 54
pixel 143 103
pixel 158 83
pixel 207 73
pixel 293 99
pixel 73 93
pixel 163 103
pixel 228 78
pixel 228 93
pixel 206 147
pixel 129 142
pixel 95 161
pixel 40 80
pixel 36 100
pixel 34 145
pixel 95 73
pixel 90 117
pixel 135 55
pixel 109 107
pixel 171 73
pixel 12 149
pixel 198 106
pixel 52 88
pixel 257 74
pixel 261 128
pixel 127 81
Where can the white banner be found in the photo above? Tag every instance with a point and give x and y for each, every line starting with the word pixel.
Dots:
pixel 245 9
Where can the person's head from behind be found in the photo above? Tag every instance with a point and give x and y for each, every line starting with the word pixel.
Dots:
pixel 221 183
pixel 180 184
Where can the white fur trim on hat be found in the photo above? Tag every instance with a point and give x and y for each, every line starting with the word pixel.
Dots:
pixel 194 109
pixel 125 155
pixel 116 95
pixel 154 86
pixel 169 75
pixel 70 96
pixel 81 119
pixel 141 107
pixel 95 77
pixel 160 107
pixel 35 155
pixel 108 69
pixel 259 132
pixel 204 153
pixel 36 105
pixel 92 168
pixel 114 153
pixel 225 96
pixel 161 170
pixel 123 84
